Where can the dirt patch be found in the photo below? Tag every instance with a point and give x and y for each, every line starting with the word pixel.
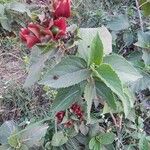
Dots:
pixel 12 70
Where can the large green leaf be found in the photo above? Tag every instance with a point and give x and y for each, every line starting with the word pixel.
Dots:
pixel 37 63
pixel 30 136
pixel 65 98
pixel 119 22
pixel 143 40
pixel 103 91
pixel 6 129
pixel 33 135
pixel 106 138
pixel 89 95
pixel 87 35
pixel 96 53
pixel 70 71
pixel 111 79
pixel 125 70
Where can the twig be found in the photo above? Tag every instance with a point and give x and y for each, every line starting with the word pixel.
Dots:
pixel 3 54
pixel 114 120
pixel 139 13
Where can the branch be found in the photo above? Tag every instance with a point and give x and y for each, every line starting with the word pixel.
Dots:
pixel 139 13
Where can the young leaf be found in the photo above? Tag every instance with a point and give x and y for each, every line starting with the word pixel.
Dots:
pixel 65 98
pixel 126 72
pixel 106 138
pixel 59 139
pixel 96 53
pixel 111 79
pixel 87 35
pixel 103 91
pixel 70 71
pixel 89 95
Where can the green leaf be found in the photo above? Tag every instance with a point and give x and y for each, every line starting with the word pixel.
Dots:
pixel 145 5
pixel 5 147
pixel 2 10
pixel 65 98
pixel 103 91
pixel 89 95
pixel 19 7
pixel 36 65
pixel 125 70
pixel 94 144
pixel 146 56
pixel 32 135
pixel 111 79
pixel 96 54
pixel 144 144
pixel 70 71
pixel 106 138
pixel 142 83
pixel 14 141
pixel 87 35
pixel 59 139
pixel 46 47
pixel 119 22
pixel 5 23
pixel 6 129
pixel 143 40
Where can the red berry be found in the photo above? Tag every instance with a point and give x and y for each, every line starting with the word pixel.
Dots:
pixel 68 124
pixel 60 115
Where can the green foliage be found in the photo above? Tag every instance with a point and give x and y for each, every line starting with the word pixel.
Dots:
pixel 70 71
pixel 145 5
pixel 59 139
pixel 93 77
pixel 9 13
pixel 97 142
pixel 65 97
pixel 119 22
pixel 96 54
pixel 89 95
pixel 126 72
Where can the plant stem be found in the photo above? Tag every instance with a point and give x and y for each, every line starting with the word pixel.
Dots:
pixel 139 13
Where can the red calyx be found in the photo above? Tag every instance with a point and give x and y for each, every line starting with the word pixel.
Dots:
pixel 62 8
pixel 60 115
pixel 76 109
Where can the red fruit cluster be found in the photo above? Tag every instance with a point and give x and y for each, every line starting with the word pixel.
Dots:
pixel 77 110
pixel 60 115
pixel 74 109
pixel 53 28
